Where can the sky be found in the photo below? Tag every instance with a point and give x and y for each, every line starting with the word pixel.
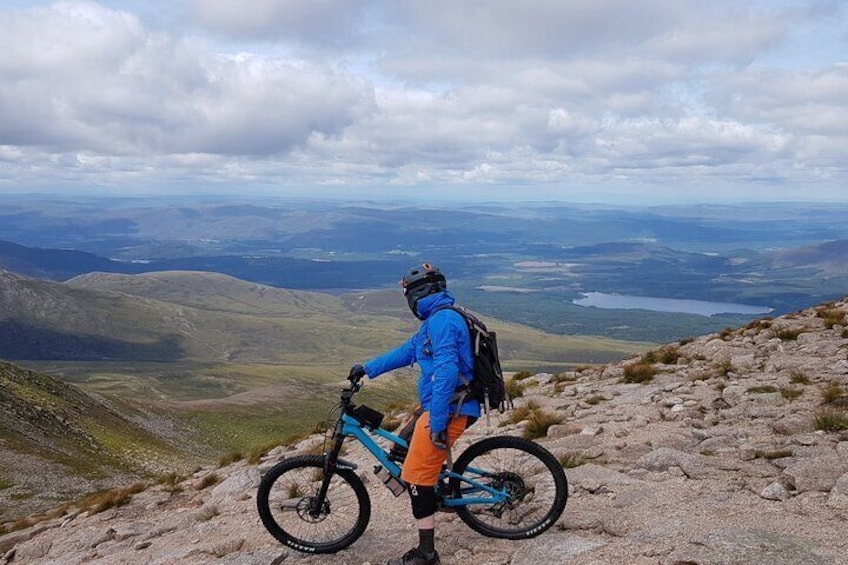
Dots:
pixel 606 101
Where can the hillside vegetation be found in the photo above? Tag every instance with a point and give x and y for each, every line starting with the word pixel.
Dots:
pixel 59 442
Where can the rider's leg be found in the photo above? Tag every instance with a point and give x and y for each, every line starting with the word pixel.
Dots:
pixel 421 472
pixel 397 452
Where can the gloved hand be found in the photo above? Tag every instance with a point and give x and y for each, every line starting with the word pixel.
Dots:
pixel 439 439
pixel 356 373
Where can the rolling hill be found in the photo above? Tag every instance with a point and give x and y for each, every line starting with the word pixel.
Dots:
pixel 213 318
pixel 241 363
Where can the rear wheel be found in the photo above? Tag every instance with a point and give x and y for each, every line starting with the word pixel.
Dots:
pixel 536 487
pixel 287 505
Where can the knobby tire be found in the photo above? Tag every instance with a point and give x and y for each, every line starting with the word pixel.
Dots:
pixel 535 479
pixel 283 499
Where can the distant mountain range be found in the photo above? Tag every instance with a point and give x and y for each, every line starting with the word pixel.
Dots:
pixel 286 272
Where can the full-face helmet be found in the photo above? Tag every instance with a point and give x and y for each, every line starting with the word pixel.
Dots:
pixel 420 281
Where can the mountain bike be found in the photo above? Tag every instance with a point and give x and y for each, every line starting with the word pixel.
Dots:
pixel 502 486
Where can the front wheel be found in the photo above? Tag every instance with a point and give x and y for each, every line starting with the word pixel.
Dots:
pixel 532 478
pixel 287 505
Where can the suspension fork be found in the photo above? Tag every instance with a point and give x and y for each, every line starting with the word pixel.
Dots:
pixel 331 460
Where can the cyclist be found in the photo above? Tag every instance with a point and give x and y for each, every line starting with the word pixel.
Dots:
pixel 442 349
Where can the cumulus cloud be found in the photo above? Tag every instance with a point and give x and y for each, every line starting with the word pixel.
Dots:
pixel 422 92
pixel 80 77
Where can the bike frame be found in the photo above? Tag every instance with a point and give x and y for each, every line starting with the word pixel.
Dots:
pixel 348 426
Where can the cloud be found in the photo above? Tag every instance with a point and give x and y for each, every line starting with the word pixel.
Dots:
pixel 356 93
pixel 80 77
pixel 313 21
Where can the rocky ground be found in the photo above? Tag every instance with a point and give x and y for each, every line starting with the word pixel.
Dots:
pixel 734 452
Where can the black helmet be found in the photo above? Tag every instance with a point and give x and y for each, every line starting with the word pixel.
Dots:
pixel 420 281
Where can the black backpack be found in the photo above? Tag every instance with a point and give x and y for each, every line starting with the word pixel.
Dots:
pixel 488 385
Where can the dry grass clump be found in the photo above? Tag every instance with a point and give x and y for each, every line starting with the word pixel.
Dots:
pixel 539 422
pixel 639 373
pixel 104 500
pixel 514 388
pixel 761 324
pixel 832 316
pixel 667 355
pixel 521 413
pixel 521 375
pixel 230 458
pixel 830 420
pixel 725 334
pixel 762 389
pixel 834 394
pixel 798 377
pixel 207 481
pixel 791 393
pixel 571 460
pixel 171 482
pixel 790 334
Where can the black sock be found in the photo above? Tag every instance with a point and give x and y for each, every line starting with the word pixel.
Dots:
pixel 427 542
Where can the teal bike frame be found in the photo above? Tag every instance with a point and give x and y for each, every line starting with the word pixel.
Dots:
pixel 471 491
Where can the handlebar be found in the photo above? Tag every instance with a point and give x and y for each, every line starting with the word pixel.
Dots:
pixel 348 392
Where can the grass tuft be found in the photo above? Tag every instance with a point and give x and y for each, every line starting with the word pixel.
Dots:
pixel 797 377
pixel 790 334
pixel 571 460
pixel 639 373
pixel 667 355
pixel 207 481
pixel 833 394
pixel 831 420
pixel 791 393
pixel 230 458
pixel 102 501
pixel 831 316
pixel 539 422
pixel 762 389
pixel 514 388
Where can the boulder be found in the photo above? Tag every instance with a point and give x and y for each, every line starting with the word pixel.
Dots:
pixel 816 473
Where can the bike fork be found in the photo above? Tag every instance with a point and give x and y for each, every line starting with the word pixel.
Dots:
pixel 331 459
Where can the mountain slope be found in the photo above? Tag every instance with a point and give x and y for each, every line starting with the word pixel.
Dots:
pixel 213 292
pixel 58 264
pixel 59 442
pixel 734 451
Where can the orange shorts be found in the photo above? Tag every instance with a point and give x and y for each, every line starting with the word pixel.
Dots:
pixel 424 461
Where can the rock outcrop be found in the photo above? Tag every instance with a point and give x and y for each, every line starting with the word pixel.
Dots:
pixel 732 450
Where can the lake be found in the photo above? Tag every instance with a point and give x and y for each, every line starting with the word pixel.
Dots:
pixel 700 307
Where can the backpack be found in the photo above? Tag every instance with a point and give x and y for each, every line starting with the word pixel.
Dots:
pixel 488 385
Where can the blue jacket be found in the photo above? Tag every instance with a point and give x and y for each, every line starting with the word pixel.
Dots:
pixel 442 348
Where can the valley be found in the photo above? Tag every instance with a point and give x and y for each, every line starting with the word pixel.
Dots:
pixel 224 326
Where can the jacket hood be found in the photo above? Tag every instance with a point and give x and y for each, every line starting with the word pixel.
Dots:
pixel 430 303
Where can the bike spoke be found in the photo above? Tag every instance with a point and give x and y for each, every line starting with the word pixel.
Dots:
pixel 529 483
pixel 290 499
